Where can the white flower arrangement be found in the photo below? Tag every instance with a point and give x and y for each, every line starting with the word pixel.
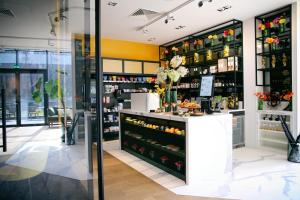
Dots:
pixel 174 73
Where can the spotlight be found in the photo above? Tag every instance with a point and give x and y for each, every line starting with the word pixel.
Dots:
pixel 200 4
pixel 166 21
pixel 52 31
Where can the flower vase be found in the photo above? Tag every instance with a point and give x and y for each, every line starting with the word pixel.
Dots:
pixel 174 99
pixel 260 104
pixel 168 101
pixel 266 32
pixel 273 46
pixel 212 42
pixel 229 38
pixel 161 103
pixel 282 28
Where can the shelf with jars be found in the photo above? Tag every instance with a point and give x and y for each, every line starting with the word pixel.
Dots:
pixel 117 90
pixel 274 51
pixel 217 50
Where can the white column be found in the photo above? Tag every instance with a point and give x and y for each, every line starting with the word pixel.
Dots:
pixel 249 82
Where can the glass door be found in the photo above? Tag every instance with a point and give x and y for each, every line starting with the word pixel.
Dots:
pixel 8 82
pixel 32 101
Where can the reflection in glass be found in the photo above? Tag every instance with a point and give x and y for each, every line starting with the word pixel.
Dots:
pixel 8 82
pixel 32 98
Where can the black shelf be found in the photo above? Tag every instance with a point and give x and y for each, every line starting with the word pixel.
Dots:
pixel 236 50
pixel 275 52
pixel 163 167
pixel 154 142
pixel 119 96
pixel 265 73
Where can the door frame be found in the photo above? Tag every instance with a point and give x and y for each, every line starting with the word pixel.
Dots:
pixel 18 73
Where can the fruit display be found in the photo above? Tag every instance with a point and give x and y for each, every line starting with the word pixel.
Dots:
pixel 189 105
pixel 166 129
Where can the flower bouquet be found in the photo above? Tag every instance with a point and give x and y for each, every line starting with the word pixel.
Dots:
pixel 288 96
pixel 164 159
pixel 212 39
pixel 179 165
pixel 167 76
pixel 186 46
pixel 273 41
pixel 198 44
pixel 261 97
pixel 228 35
pixel 282 22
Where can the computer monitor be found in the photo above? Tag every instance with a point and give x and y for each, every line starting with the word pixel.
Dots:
pixel 207 86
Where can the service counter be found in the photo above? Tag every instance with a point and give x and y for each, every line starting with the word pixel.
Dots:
pixel 190 148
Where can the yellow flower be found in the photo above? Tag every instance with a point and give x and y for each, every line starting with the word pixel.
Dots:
pixel 215 37
pixel 282 21
pixel 231 32
pixel 174 49
pixel 210 37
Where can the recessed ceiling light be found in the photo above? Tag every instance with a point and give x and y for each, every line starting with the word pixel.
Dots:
pixel 111 3
pixel 145 31
pixel 179 27
pixel 224 8
pixel 151 39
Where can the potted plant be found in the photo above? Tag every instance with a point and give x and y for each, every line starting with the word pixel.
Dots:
pixel 179 165
pixel 164 159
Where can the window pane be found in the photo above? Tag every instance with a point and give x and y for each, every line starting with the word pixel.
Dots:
pixel 32 59
pixel 7 59
pixel 60 66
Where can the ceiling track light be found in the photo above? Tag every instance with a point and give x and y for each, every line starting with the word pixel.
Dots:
pixel 200 4
pixel 112 3
pixel 145 31
pixel 179 27
pixel 169 18
pixel 224 8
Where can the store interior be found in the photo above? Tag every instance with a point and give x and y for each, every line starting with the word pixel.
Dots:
pixel 177 99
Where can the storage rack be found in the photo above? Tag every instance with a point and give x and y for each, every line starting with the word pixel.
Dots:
pixel 277 78
pixel 231 82
pixel 124 84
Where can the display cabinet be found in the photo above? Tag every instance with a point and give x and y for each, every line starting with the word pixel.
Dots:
pixel 117 92
pixel 157 141
pixel 217 50
pixel 274 50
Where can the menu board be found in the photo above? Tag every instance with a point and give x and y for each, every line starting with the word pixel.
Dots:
pixel 206 88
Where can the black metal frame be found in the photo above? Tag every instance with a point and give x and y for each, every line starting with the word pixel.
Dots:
pixel 3 101
pixel 99 99
pixel 273 13
pixel 17 73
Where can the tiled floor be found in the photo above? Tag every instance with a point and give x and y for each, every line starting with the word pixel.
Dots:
pixel 40 149
pixel 38 166
pixel 24 184
pixel 257 174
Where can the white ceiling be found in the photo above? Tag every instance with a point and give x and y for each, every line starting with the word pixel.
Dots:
pixel 116 23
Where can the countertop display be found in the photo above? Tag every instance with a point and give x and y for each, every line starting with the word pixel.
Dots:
pixel 191 148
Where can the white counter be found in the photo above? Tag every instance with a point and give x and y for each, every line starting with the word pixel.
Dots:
pixel 208 144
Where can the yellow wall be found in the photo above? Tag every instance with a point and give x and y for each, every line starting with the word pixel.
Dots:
pixel 128 50
pixel 123 49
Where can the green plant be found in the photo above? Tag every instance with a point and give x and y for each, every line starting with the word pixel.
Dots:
pixel 54 91
pixel 37 93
